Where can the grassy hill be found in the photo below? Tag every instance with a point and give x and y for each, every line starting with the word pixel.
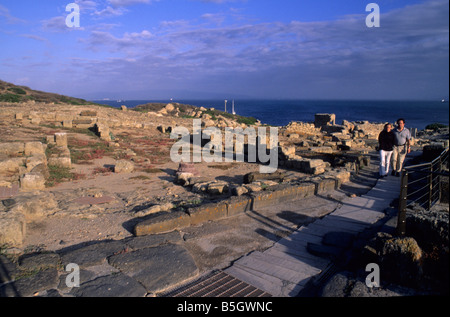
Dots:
pixel 13 93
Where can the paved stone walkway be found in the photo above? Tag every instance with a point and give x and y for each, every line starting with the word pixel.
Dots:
pixel 150 265
pixel 284 269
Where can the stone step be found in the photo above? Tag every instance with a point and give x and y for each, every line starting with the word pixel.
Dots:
pixel 272 268
pixel 285 261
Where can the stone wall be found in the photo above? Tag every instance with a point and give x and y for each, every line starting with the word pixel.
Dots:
pixel 165 222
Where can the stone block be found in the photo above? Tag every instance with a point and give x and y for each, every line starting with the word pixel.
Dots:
pixel 12 229
pixel 32 161
pixel 82 121
pixel 62 161
pixel 322 149
pixel 67 124
pixel 217 188
pixel 207 212
pixel 324 185
pixel 323 119
pixel 239 190
pixel 155 209
pixel 256 176
pixel 35 206
pixel 50 139
pixel 10 166
pixel 41 169
pixel 341 177
pixel 32 148
pixel 61 117
pixel 12 148
pixel 163 222
pixel 305 190
pixel 61 139
pixel 238 205
pixel 32 181
pixel 88 113
pixel 263 199
pixel 35 120
pixel 103 131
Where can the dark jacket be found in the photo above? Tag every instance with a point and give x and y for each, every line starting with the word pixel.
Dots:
pixel 386 141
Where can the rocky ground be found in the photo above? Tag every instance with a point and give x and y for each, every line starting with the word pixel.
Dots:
pixel 79 175
pixel 414 265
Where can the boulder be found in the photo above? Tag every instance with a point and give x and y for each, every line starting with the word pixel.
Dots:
pixel 200 187
pixel 217 188
pixel 402 259
pixel 239 190
pixel 124 167
pixel 183 179
pixel 169 107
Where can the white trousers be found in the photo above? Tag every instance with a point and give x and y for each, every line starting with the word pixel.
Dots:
pixel 385 161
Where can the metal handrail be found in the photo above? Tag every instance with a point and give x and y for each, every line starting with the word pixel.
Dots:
pixel 432 188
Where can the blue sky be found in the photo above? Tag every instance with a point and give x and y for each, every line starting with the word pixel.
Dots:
pixel 288 49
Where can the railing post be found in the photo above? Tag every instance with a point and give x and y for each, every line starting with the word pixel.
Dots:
pixel 440 178
pixel 430 187
pixel 401 220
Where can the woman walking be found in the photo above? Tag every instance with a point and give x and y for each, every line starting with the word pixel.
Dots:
pixel 386 141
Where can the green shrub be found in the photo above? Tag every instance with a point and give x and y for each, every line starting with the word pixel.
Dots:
pixel 17 90
pixel 10 98
pixel 435 126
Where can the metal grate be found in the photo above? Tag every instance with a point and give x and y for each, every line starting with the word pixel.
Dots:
pixel 217 284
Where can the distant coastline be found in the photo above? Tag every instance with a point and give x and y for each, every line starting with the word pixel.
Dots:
pixel 418 114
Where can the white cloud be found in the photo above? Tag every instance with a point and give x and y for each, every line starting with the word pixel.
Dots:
pixel 110 11
pixel 125 3
pixel 4 12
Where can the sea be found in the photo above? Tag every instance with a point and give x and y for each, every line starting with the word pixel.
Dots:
pixel 417 114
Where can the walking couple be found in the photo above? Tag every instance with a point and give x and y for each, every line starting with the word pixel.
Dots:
pixel 396 144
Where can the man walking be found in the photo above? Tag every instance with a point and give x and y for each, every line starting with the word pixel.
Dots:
pixel 402 138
